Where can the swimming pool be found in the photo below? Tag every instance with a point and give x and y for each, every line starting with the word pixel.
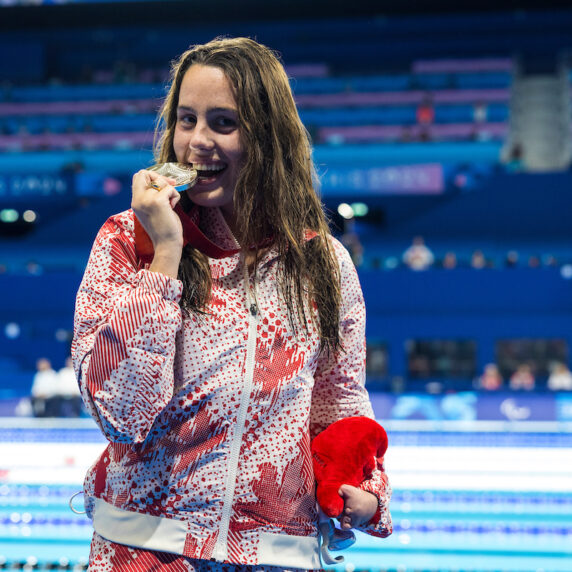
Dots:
pixel 473 498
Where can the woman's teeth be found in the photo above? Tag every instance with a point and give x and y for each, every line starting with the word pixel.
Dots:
pixel 207 169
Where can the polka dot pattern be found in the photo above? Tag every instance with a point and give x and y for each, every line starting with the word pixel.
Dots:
pixel 166 389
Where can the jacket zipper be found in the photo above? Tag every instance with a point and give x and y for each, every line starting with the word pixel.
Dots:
pixel 220 551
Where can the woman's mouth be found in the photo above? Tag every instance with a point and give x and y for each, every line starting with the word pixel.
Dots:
pixel 207 173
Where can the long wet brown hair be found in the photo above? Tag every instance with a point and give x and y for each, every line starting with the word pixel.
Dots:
pixel 275 194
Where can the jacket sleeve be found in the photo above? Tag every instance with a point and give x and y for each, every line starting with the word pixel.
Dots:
pixel 339 385
pixel 126 321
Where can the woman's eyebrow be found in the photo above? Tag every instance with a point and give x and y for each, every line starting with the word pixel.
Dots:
pixel 186 108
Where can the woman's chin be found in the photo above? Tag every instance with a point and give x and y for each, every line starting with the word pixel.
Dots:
pixel 209 197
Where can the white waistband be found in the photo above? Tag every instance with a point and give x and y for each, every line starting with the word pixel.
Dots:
pixel 138 529
pixel 169 535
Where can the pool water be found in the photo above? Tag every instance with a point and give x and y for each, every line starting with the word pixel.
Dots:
pixel 469 500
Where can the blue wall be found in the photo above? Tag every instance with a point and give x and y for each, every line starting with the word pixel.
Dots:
pixel 507 206
pixel 482 305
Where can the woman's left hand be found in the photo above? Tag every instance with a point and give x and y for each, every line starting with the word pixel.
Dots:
pixel 359 506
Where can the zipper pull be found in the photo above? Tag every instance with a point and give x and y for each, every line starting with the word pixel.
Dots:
pixel 253 309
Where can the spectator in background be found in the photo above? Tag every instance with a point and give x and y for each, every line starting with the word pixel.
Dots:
pixel 515 162
pixel 478 260
pixel 68 391
pixel 425 134
pixel 376 361
pixel 34 268
pixel 425 113
pixel 450 260
pixel 480 133
pixel 522 378
pixel 511 259
pixel 419 366
pixel 44 389
pixel 418 256
pixel 491 379
pixel 560 378
pixel 350 239
pixel 480 112
pixel 549 260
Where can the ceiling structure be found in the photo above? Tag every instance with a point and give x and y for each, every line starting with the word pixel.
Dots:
pixel 147 12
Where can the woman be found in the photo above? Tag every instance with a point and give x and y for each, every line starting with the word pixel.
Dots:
pixel 209 376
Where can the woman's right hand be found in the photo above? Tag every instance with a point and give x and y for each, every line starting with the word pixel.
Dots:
pixel 154 209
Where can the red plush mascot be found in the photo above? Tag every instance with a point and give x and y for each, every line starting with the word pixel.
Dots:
pixel 347 452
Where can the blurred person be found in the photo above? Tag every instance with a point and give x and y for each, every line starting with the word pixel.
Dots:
pixel 425 112
pixel 511 259
pixel 209 371
pixel 450 260
pixel 350 239
pixel 68 391
pixel 534 261
pixel 515 162
pixel 550 261
pixel 491 378
pixel 425 134
pixel 419 366
pixel 480 112
pixel 34 268
pixel 480 133
pixel 418 256
pixel 478 260
pixel 376 362
pixel 522 378
pixel 45 399
pixel 560 378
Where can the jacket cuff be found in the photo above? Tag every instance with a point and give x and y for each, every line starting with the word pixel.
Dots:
pixel 380 523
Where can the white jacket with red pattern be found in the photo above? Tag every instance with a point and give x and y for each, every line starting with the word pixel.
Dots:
pixel 209 416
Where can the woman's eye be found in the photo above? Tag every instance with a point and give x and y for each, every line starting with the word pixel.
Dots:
pixel 187 120
pixel 226 122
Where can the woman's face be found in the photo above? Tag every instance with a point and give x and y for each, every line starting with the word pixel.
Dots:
pixel 207 136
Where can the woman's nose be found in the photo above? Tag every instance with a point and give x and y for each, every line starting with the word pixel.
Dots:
pixel 201 138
